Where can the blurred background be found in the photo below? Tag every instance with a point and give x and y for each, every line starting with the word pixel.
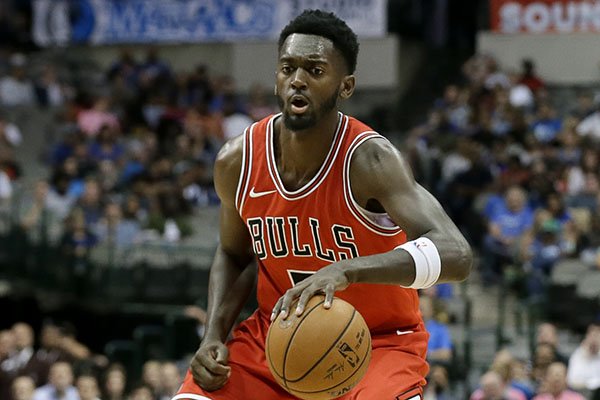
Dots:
pixel 112 112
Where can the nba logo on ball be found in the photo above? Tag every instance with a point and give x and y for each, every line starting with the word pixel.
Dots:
pixel 323 353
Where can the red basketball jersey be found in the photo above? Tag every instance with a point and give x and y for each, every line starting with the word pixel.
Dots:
pixel 295 233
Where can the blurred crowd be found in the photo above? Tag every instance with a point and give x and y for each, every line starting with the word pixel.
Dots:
pixel 518 175
pixel 63 368
pixel 549 371
pixel 130 155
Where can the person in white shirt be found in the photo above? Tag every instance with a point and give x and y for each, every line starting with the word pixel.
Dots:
pixel 590 126
pixel 60 384
pixel 584 364
pixel 16 89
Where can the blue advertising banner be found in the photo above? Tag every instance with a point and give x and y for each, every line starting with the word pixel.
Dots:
pixel 64 22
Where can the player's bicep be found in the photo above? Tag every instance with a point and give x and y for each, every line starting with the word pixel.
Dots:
pixel 234 237
pixel 380 173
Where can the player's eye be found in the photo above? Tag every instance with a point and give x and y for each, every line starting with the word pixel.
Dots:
pixel 286 69
pixel 317 71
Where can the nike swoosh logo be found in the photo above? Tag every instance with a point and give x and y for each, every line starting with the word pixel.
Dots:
pixel 254 194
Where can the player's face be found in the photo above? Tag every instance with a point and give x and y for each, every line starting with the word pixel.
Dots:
pixel 310 75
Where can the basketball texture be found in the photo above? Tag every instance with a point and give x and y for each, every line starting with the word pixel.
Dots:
pixel 323 353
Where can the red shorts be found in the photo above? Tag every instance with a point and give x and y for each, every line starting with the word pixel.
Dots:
pixel 396 372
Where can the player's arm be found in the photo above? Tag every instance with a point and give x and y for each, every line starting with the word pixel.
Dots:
pixel 381 180
pixel 231 276
pixel 381 177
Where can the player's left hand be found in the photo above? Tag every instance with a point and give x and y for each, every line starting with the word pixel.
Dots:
pixel 327 280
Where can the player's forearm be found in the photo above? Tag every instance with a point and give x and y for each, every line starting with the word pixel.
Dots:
pixel 397 267
pixel 230 284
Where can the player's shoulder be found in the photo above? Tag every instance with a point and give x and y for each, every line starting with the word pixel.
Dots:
pixel 376 165
pixel 228 166
pixel 376 152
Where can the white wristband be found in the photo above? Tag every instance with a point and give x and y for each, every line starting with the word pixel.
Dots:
pixel 428 265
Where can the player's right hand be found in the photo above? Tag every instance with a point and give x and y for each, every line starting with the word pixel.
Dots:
pixel 209 365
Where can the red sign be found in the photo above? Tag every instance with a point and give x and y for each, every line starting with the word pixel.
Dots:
pixel 542 16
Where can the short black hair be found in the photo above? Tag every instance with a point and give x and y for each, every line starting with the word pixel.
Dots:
pixel 327 25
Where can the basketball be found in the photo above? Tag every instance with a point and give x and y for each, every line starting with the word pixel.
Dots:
pixel 321 354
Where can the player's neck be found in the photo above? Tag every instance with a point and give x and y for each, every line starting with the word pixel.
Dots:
pixel 299 155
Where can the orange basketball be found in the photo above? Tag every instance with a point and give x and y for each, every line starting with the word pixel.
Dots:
pixel 323 353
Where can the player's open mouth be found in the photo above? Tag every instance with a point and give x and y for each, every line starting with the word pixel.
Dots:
pixel 299 105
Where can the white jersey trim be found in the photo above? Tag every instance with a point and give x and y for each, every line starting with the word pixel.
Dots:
pixel 352 204
pixel 242 188
pixel 321 174
pixel 190 396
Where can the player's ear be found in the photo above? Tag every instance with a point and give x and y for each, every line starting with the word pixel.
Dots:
pixel 347 86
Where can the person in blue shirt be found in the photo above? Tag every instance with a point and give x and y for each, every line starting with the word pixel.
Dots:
pixel 439 347
pixel 505 228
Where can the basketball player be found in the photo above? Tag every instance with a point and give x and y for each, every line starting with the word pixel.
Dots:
pixel 324 205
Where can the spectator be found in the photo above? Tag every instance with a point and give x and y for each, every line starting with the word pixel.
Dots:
pixel 124 71
pixel 520 95
pixel 116 231
pixel 115 381
pixel 90 202
pixel 234 121
pixel 153 72
pixel 540 254
pixel 584 364
pixel 495 78
pixel 438 385
pixel 43 214
pixel 87 387
pixel 439 349
pixel 555 385
pixel 151 377
pixel 142 392
pixel 584 106
pixel 10 134
pixel 76 244
pixel 106 146
pixel 60 384
pixel 7 344
pixel 546 126
pixel 504 365
pixel 590 125
pixel 492 387
pixel 23 388
pixel 24 360
pixel 17 89
pixel 92 120
pixel 170 380
pixel 529 77
pixel 198 88
pixel 543 355
pixel 49 91
pixel 506 228
pixel 547 333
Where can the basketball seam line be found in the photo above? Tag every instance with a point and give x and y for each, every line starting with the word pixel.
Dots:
pixel 345 380
pixel 288 344
pixel 328 350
